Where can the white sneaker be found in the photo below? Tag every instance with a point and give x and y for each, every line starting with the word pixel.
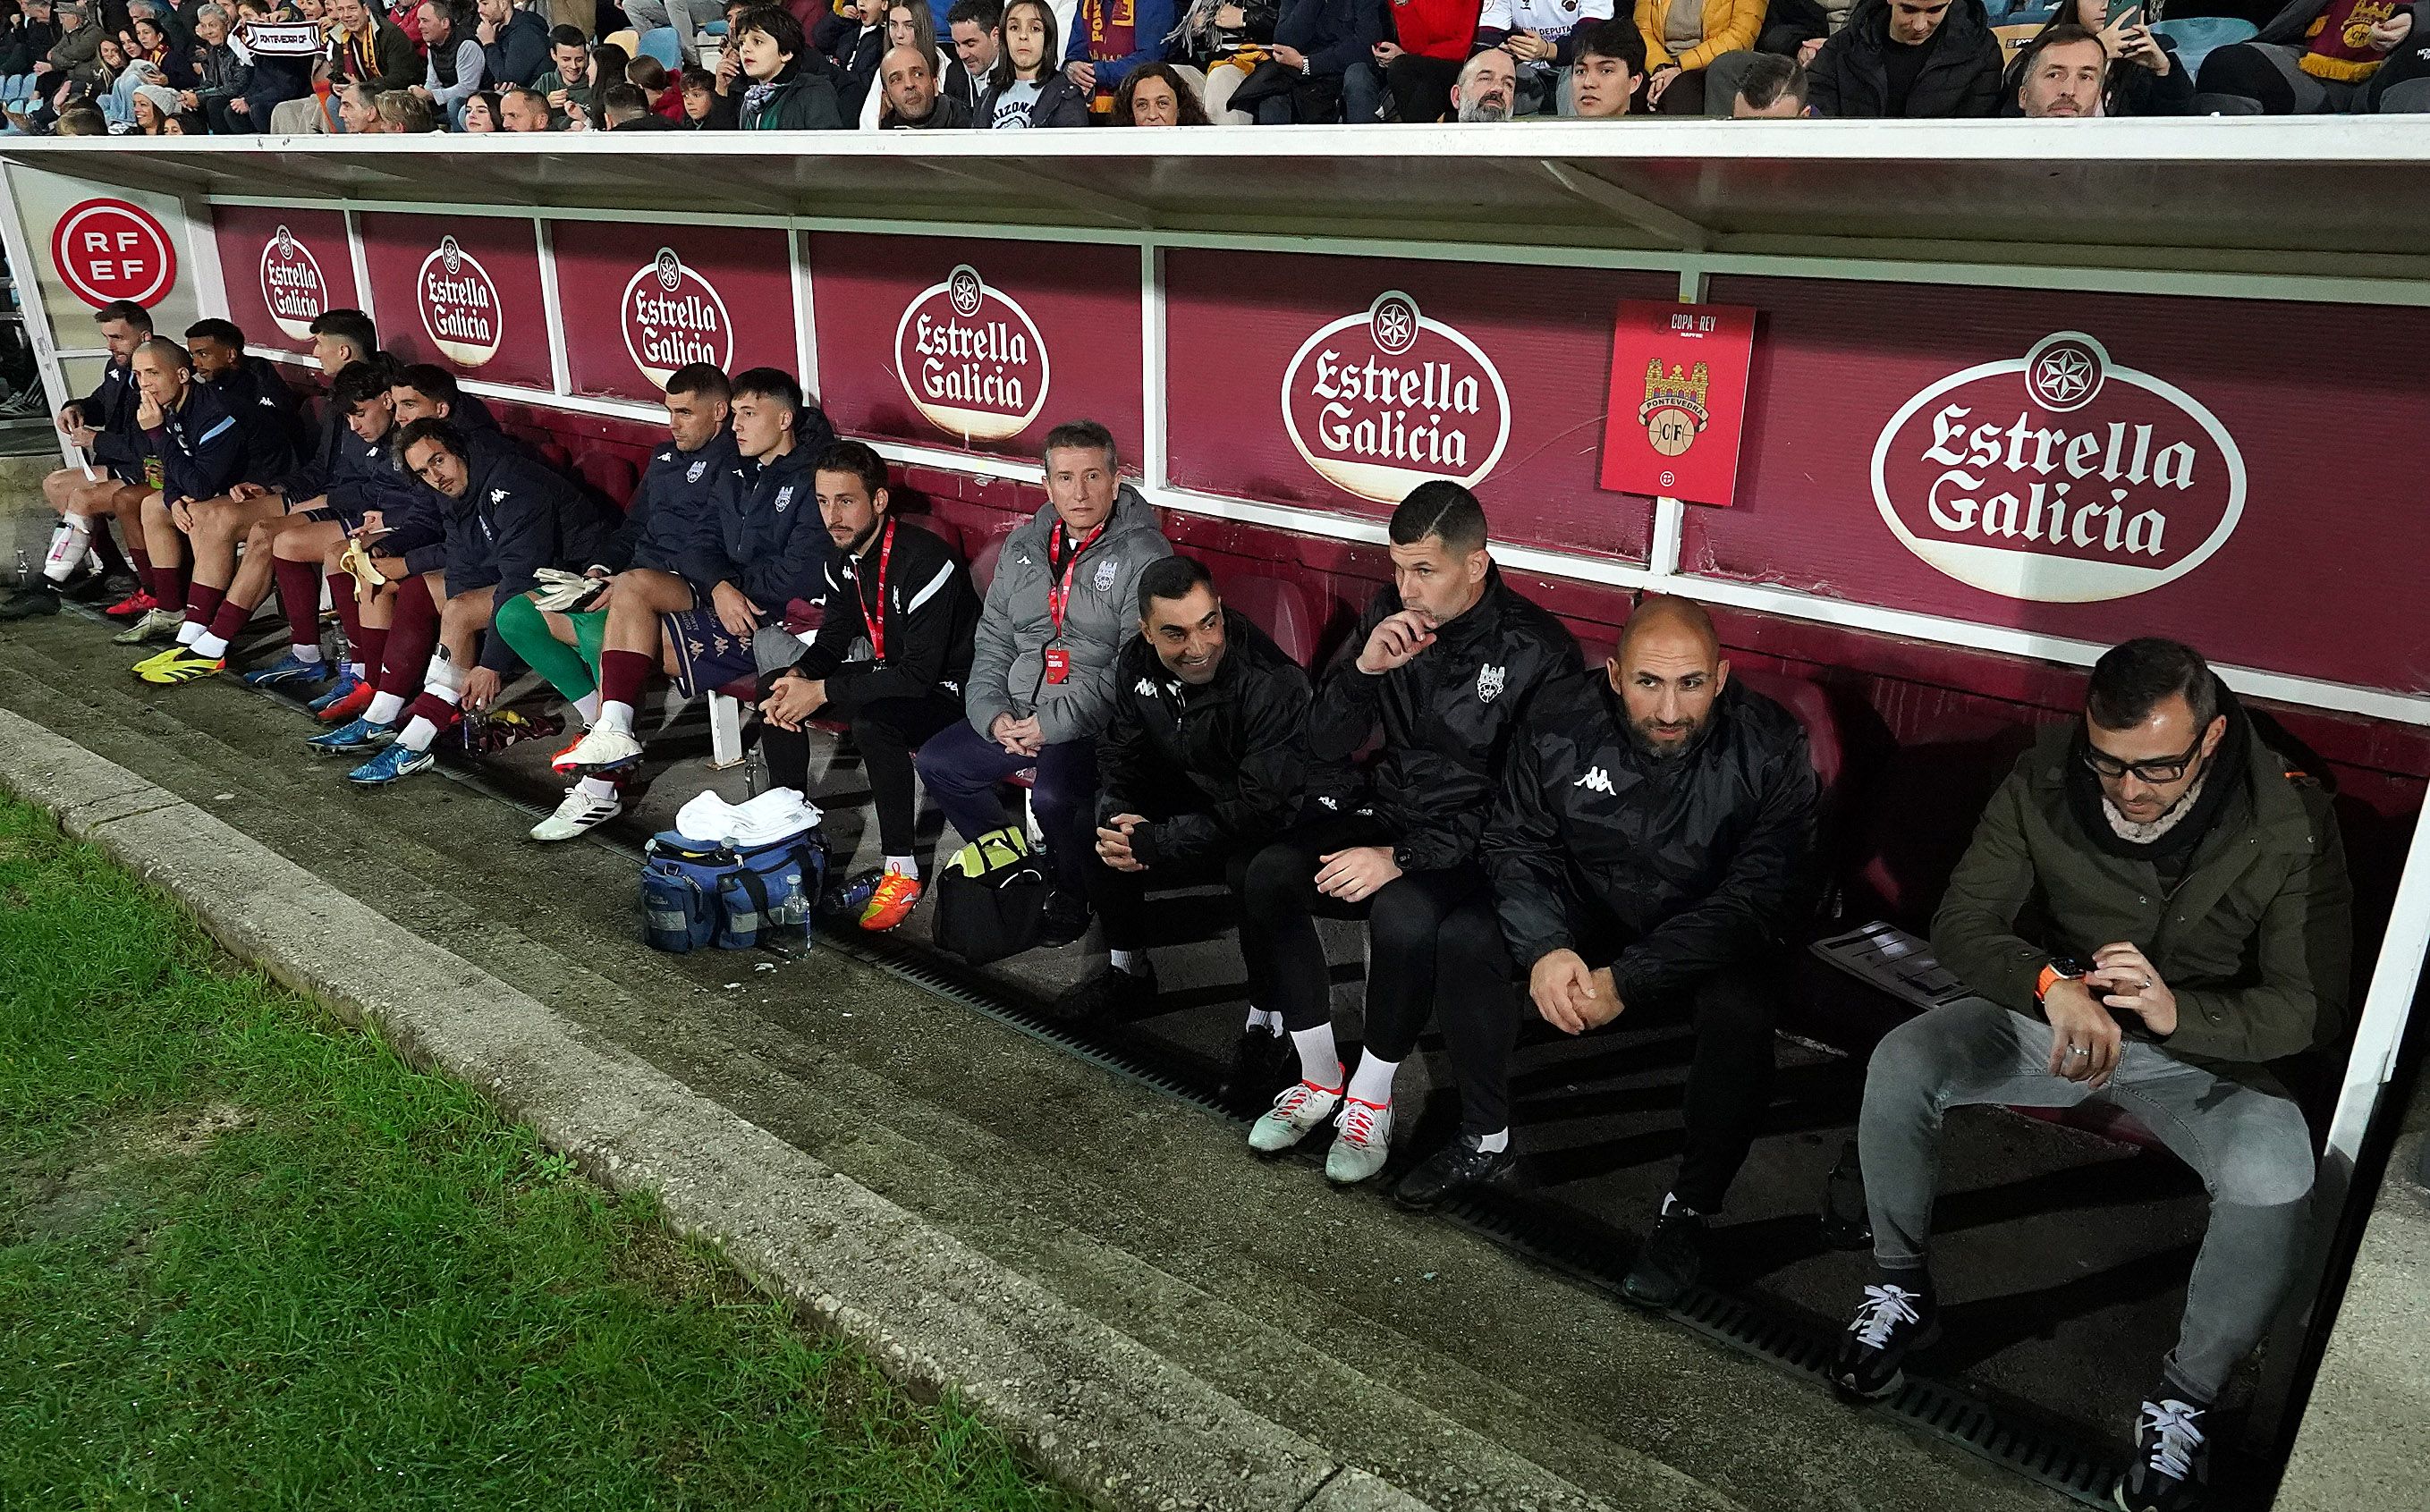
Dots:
pixel 1297 1112
pixel 577 813
pixel 602 747
pixel 1365 1142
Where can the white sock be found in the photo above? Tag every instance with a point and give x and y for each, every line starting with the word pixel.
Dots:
pixel 418 733
pixel 207 644
pixel 1126 961
pixel 599 788
pixel 445 694
pixel 189 631
pixel 1265 1019
pixel 1372 1080
pixel 614 714
pixel 310 652
pixel 1320 1059
pixel 1496 1143
pixel 69 543
pixel 905 865
pixel 385 708
pixel 588 706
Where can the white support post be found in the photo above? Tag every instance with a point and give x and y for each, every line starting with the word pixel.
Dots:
pixel 805 314
pixel 1152 455
pixel 2387 1004
pixel 29 301
pixel 555 316
pixel 202 257
pixel 363 268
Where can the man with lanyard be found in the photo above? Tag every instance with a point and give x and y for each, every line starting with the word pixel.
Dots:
pixel 1041 680
pixel 894 672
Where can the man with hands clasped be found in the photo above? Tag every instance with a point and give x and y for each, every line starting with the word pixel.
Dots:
pixel 2154 908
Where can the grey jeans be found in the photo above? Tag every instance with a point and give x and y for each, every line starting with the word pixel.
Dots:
pixel 648 15
pixel 2250 1147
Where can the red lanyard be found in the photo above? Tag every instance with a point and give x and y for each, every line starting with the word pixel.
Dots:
pixel 1058 597
pixel 876 622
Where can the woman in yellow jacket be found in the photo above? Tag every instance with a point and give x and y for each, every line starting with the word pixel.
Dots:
pixel 1683 36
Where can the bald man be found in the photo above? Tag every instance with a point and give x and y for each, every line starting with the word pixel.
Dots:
pixel 1650 853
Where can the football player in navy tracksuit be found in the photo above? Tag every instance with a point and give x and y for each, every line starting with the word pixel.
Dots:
pixel 102 424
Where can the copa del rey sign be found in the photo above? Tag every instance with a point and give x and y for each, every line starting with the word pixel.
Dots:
pixel 2060 475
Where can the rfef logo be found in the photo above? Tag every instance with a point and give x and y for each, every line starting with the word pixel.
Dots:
pixel 109 249
pixel 2059 477
pixel 460 304
pixel 291 287
pixel 674 317
pixel 1381 402
pixel 971 359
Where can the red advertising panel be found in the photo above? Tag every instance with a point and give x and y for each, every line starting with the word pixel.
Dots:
pixel 643 300
pixel 983 345
pixel 1678 399
pixel 2093 466
pixel 1341 382
pixel 282 268
pixel 461 290
pixel 106 249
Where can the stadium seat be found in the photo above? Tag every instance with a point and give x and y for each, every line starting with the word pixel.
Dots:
pixel 555 455
pixel 662 43
pixel 983 564
pixel 1806 699
pixel 610 474
pixel 1280 609
pixel 2198 36
pixel 629 40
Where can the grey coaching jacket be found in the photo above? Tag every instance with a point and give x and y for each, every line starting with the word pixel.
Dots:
pixel 1008 660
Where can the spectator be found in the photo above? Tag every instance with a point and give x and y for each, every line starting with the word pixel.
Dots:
pixel 658 87
pixel 454 65
pixel 2154 908
pixel 514 43
pixel 1110 37
pixel 1683 37
pixel 784 94
pixel 1484 88
pixel 82 118
pixel 1431 39
pixel 522 110
pixel 220 73
pixel 2061 74
pixel 1770 88
pixel 2141 73
pixel 154 106
pixel 407 114
pixel 1316 42
pixel 852 37
pixel 1609 70
pixel 151 43
pixel 974 28
pixel 1026 89
pixel 704 109
pixel 274 80
pixel 2319 58
pixel 909 24
pixel 910 79
pixel 684 16
pixel 1064 599
pixel 358 106
pixel 365 47
pixel 1917 60
pixel 484 114
pixel 566 82
pixel 608 65
pixel 1225 40
pixel 1155 95
pixel 624 107
pixel 1798 28
pixel 77 56
pixel 30 41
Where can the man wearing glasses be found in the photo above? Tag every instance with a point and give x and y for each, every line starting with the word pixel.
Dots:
pixel 2155 908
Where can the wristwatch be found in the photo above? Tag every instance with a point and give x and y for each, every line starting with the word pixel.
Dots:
pixel 2061 968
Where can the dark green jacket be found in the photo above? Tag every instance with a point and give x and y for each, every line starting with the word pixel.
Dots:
pixel 2256 941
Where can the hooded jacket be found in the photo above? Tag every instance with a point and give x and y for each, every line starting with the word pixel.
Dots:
pixel 515 517
pixel 1702 859
pixel 774 545
pixel 928 617
pixel 1009 660
pixel 798 100
pixel 1850 77
pixel 2256 940
pixel 269 414
pixel 1227 762
pixel 201 447
pixel 671 523
pixel 1447 716
pixel 520 52
pixel 109 411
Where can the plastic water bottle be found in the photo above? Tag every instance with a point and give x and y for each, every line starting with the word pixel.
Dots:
pixel 25 570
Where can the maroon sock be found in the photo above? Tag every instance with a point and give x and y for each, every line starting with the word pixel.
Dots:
pixel 373 642
pixel 299 594
pixel 134 549
pixel 407 655
pixel 622 677
pixel 204 602
pixel 433 709
pixel 167 591
pixel 229 621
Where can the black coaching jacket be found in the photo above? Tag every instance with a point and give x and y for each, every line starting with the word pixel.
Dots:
pixel 930 614
pixel 1701 858
pixel 1447 717
pixel 1226 762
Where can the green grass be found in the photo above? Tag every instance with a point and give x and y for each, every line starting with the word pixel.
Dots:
pixel 251 1260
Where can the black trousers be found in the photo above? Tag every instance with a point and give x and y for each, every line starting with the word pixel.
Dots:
pixel 1432 943
pixel 1421 87
pixel 886 733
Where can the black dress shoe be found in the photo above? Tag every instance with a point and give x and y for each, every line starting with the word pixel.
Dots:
pixel 1263 1063
pixel 1456 1168
pixel 1105 996
pixel 1668 1265
pixel 27 603
pixel 1063 919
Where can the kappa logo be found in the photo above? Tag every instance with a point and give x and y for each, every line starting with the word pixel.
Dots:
pixel 1105 575
pixel 1145 686
pixel 497 495
pixel 692 473
pixel 1596 780
pixel 1489 679
pixel 668 456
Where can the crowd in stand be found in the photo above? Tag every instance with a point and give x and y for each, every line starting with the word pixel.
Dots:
pixel 2154 908
pixel 175 66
